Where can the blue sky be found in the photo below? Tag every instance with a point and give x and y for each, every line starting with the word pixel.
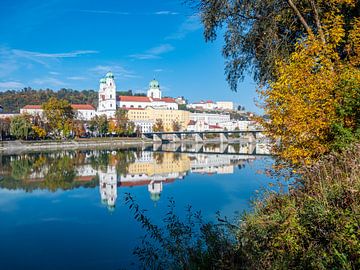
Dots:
pixel 73 43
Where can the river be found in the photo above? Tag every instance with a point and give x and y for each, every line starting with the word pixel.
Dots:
pixel 66 209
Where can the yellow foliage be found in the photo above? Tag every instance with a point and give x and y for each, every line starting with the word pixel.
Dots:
pixel 302 101
pixel 39 132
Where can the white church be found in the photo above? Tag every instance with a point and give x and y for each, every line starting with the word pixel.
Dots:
pixel 109 101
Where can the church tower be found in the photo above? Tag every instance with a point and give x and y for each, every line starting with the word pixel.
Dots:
pixel 154 89
pixel 107 96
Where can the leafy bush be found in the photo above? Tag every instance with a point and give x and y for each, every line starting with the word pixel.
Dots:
pixel 316 225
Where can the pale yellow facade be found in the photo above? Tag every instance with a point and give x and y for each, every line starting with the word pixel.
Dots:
pixel 167 116
pixel 168 163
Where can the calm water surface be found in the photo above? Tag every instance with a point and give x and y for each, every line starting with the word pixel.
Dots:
pixel 66 210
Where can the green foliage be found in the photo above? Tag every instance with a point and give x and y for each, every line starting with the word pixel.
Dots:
pixel 20 127
pixel 346 129
pixel 259 32
pixel 315 225
pixel 13 101
pixel 59 117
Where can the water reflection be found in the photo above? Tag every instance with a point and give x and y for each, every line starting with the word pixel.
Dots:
pixel 112 169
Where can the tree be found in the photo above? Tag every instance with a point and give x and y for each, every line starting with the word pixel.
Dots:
pixel 313 104
pixel 176 126
pixel 20 127
pixel 158 126
pixel 122 120
pixel 260 32
pixel 102 125
pixel 59 117
pixel 79 128
pixel 4 127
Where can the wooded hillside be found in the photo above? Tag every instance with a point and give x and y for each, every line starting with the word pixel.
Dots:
pixel 12 101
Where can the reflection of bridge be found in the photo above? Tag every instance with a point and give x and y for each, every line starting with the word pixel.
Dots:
pixel 200 136
pixel 223 148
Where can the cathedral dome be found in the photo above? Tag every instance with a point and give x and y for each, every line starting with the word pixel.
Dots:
pixel 109 75
pixel 154 84
pixel 102 80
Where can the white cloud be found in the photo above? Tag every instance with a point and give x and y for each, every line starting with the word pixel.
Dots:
pixel 33 55
pixel 117 70
pixel 158 70
pixel 154 53
pixel 54 73
pixel 191 24
pixel 166 12
pixel 105 12
pixel 11 85
pixel 49 81
pixel 76 78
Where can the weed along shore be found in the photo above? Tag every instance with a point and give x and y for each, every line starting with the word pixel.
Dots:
pixel 92 143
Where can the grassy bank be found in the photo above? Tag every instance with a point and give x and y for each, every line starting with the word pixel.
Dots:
pixel 316 225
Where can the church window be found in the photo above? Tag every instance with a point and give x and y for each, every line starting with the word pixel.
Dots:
pixel 110 96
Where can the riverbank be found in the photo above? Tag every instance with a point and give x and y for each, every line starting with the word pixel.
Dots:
pixel 315 225
pixel 18 146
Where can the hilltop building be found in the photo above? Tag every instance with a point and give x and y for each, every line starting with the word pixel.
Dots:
pixel 211 105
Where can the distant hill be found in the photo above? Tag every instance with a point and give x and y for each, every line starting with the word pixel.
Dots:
pixel 12 101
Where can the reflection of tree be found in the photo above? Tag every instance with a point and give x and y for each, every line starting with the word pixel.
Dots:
pixel 159 158
pixel 176 157
pixel 124 159
pixel 43 171
pixel 21 168
pixel 61 174
pixel 100 161
pixel 236 147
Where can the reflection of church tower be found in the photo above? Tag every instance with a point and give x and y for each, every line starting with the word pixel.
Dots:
pixel 107 96
pixel 155 189
pixel 108 187
pixel 154 89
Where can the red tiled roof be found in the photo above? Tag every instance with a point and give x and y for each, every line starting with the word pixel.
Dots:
pixel 214 126
pixel 32 107
pixel 168 100
pixel 82 107
pixel 74 106
pixel 134 99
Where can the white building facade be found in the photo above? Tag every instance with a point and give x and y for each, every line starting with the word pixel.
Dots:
pixel 210 118
pixel 107 96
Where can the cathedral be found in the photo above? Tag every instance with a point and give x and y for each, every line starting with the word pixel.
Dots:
pixel 109 101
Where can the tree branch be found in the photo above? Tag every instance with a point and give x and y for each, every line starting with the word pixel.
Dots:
pixel 317 20
pixel 301 18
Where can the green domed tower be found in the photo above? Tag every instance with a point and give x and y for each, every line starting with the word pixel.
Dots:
pixel 154 89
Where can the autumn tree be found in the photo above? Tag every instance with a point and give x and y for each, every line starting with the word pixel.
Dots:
pixel 158 126
pixel 314 102
pixel 176 126
pixel 260 32
pixel 305 56
pixel 59 117
pixel 20 127
pixel 102 125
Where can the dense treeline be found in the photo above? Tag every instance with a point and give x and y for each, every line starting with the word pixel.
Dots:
pixel 13 100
